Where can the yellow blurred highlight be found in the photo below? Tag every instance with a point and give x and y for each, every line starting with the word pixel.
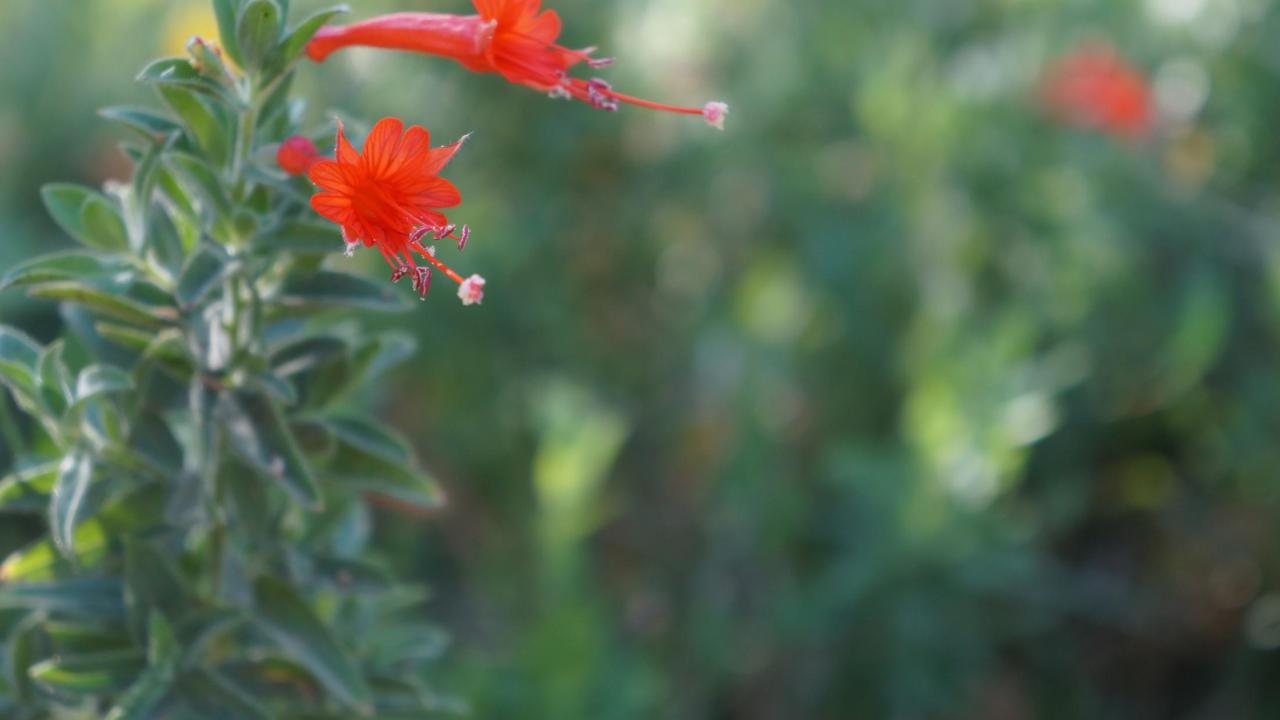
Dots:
pixel 189 20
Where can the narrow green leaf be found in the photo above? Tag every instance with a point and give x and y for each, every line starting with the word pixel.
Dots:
pixel 151 125
pixel 98 380
pixel 28 490
pixel 89 674
pixel 326 289
pixel 203 179
pixel 373 458
pixel 154 683
pixel 80 636
pixel 175 73
pixel 206 695
pixel 106 303
pixel 54 378
pixel 294 627
pixel 68 503
pixel 257 30
pixel 205 127
pixel 227 11
pixel 23 652
pixel 103 227
pixel 85 597
pixel 151 582
pixel 259 434
pixel 70 265
pixel 137 510
pixel 19 355
pixel 203 272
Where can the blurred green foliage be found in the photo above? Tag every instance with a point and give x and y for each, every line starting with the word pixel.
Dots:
pixel 895 400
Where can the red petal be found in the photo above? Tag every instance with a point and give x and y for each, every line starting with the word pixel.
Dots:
pixel 437 158
pixel 334 207
pixel 545 28
pixel 433 192
pixel 346 153
pixel 330 176
pixel 380 147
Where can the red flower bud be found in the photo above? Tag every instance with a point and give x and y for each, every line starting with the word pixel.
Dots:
pixel 297 154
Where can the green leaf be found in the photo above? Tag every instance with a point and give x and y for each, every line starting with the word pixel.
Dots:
pixel 54 378
pixel 151 125
pixel 384 352
pixel 206 695
pixel 257 30
pixel 151 582
pixel 318 238
pixel 68 504
pixel 86 597
pixel 154 443
pixel 290 622
pixel 296 40
pixel 139 509
pixel 203 272
pixel 178 73
pixel 23 652
pixel 373 458
pixel 69 265
pixel 103 227
pixel 106 303
pixel 89 674
pixel 203 178
pixel 327 289
pixel 86 637
pixel 98 380
pixel 257 430
pixel 28 490
pixel 318 367
pixel 154 683
pixel 206 128
pixel 19 355
pixel 227 11
pixel 68 205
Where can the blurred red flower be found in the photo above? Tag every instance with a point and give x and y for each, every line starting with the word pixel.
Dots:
pixel 508 37
pixel 1097 89
pixel 391 196
pixel 297 154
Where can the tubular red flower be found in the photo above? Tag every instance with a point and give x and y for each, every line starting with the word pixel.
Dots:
pixel 391 196
pixel 508 37
pixel 1095 88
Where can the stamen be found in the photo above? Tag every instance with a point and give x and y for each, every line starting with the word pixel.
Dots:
pixel 599 63
pixel 422 282
pixel 350 249
pixel 399 273
pixel 714 113
pixel 600 95
pixel 471 291
pixel 464 237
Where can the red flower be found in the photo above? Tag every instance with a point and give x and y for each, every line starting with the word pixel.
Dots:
pixel 1095 88
pixel 391 196
pixel 297 154
pixel 508 37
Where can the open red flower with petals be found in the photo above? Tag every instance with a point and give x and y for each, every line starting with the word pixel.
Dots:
pixel 508 37
pixel 1095 88
pixel 391 196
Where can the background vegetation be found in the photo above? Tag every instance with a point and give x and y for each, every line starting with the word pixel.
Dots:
pixel 896 400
